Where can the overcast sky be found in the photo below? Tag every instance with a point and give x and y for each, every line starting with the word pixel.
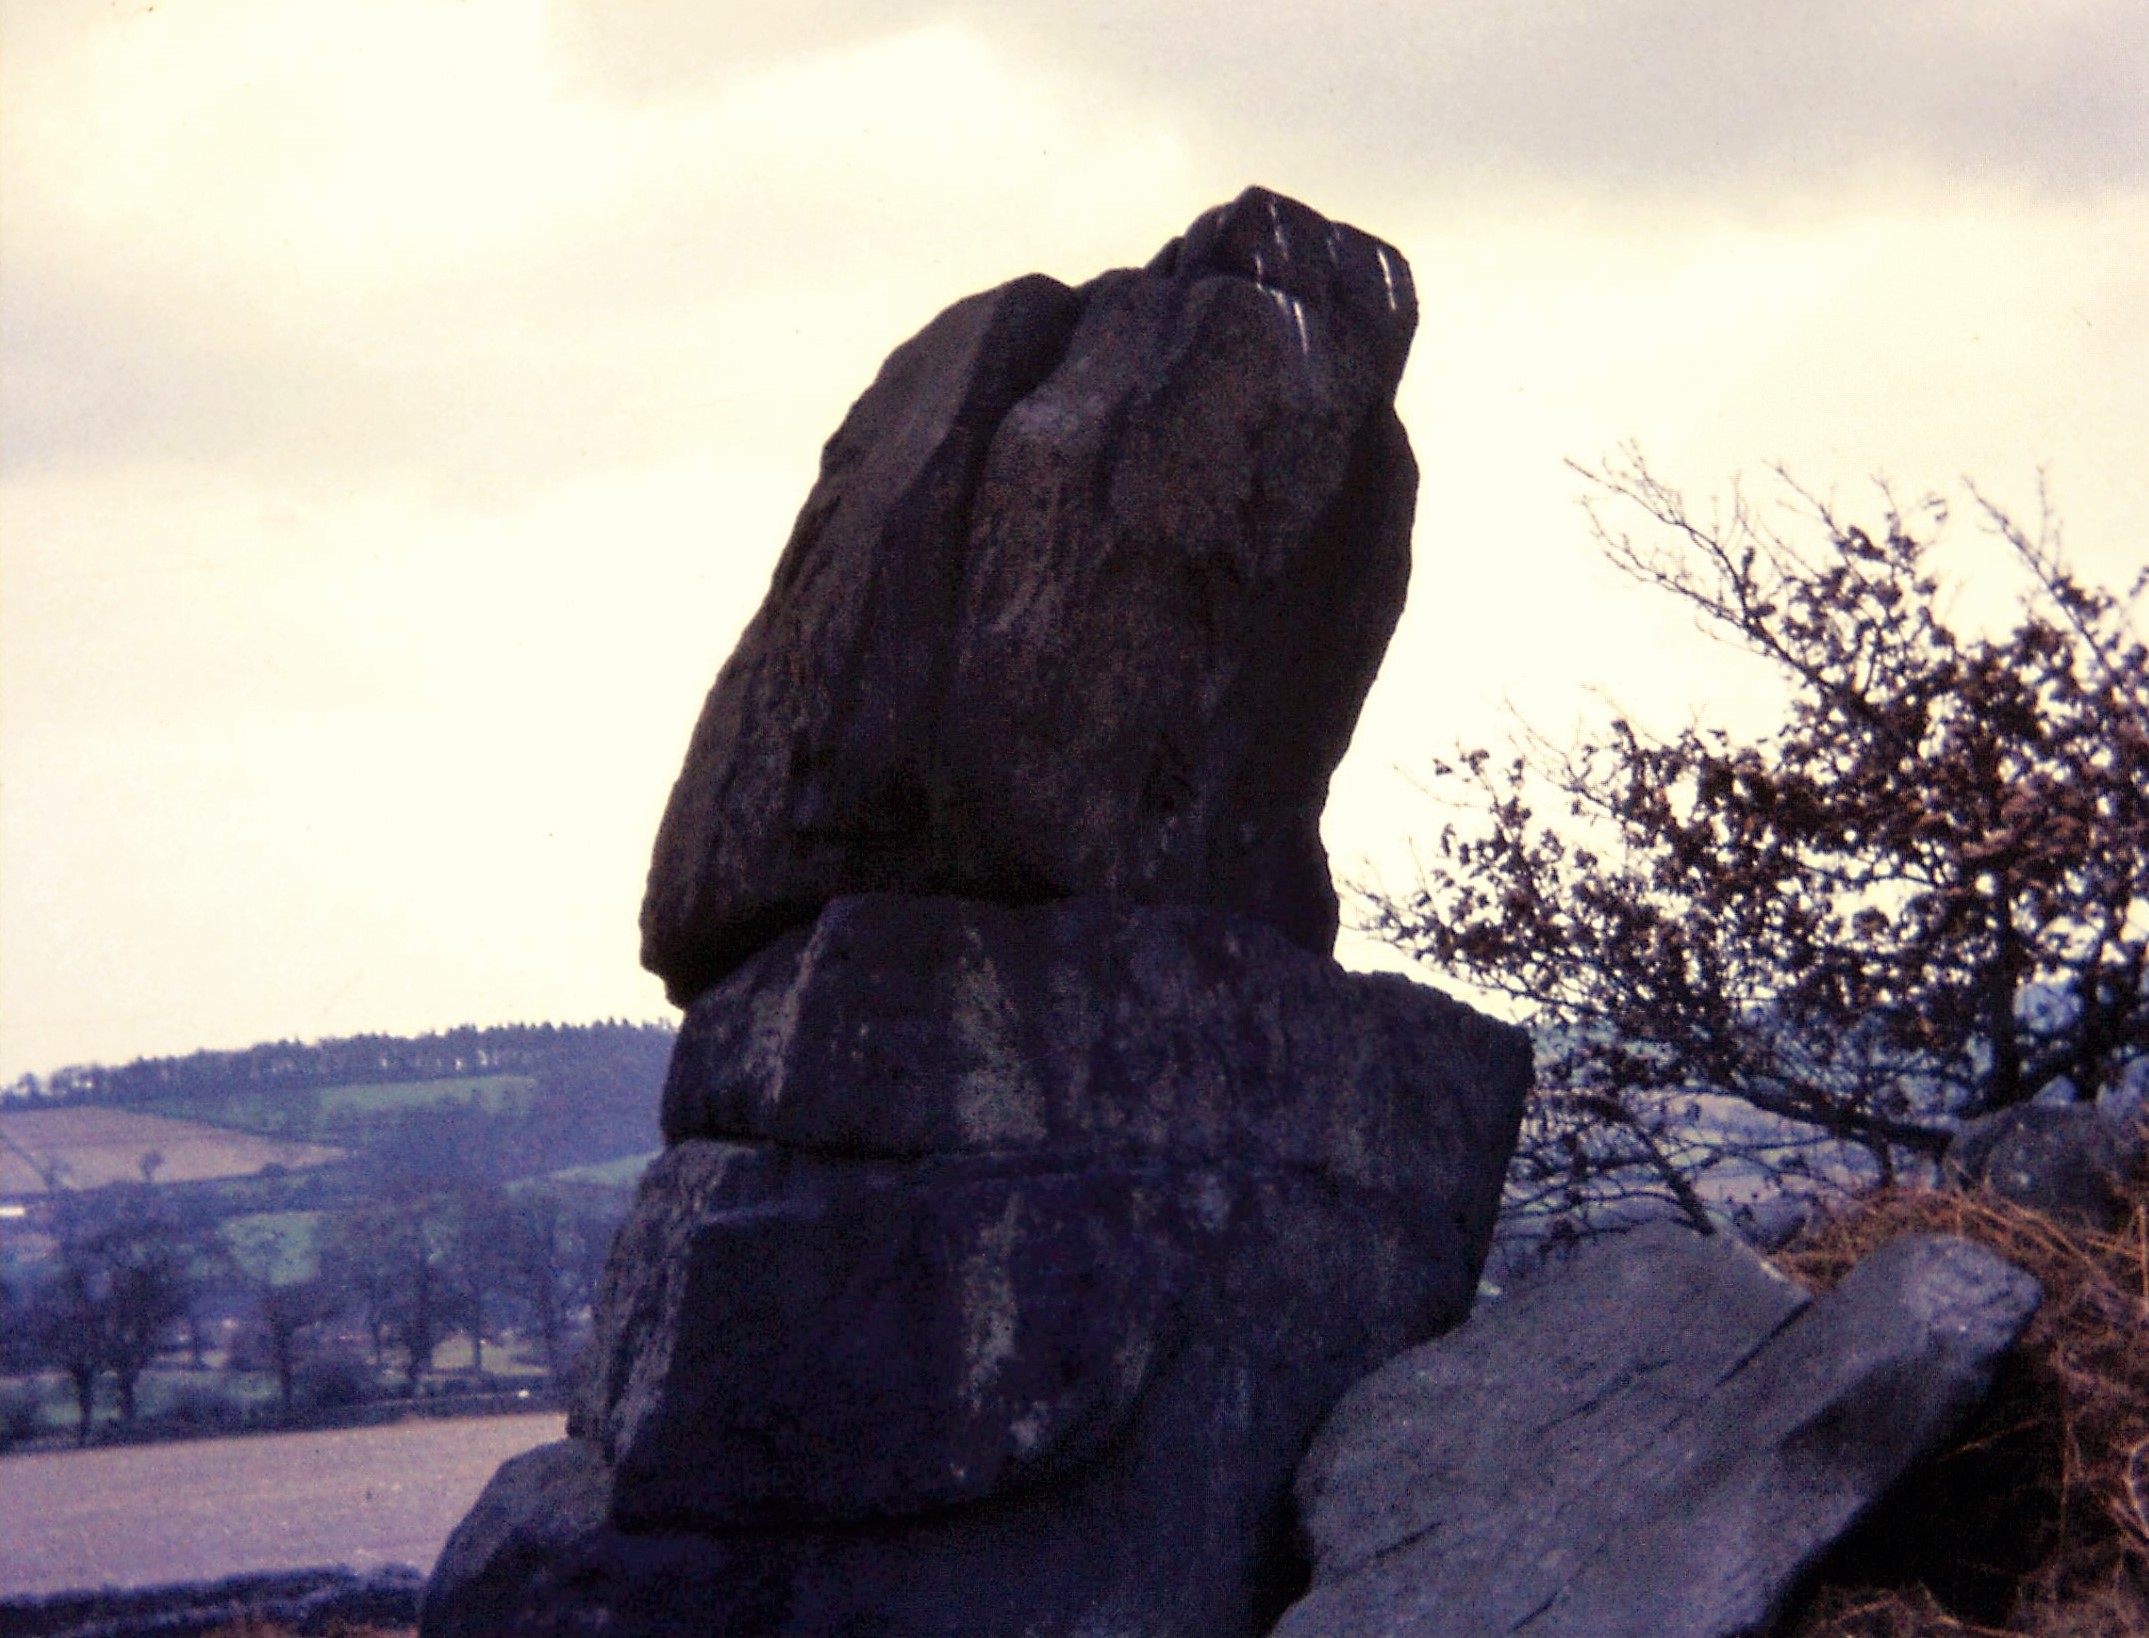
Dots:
pixel 404 400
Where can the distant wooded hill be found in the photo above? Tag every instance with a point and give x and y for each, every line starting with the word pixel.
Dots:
pixel 504 1102
pixel 538 1050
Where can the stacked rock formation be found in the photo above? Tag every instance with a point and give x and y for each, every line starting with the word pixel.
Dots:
pixel 1035 1179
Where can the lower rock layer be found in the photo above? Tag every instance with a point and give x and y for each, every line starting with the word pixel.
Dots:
pixel 1002 1264
pixel 1178 1526
pixel 536 1558
pixel 999 1397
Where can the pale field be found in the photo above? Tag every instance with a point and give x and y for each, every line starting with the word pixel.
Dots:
pixel 93 1146
pixel 144 1515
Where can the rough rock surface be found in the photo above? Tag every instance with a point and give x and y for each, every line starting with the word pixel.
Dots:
pixel 536 1556
pixel 900 1027
pixel 1652 1442
pixel 1018 1400
pixel 1085 601
pixel 1017 1150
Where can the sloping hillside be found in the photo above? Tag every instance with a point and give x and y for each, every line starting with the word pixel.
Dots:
pixel 85 1148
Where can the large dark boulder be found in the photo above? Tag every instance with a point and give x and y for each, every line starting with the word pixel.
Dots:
pixel 986 1395
pixel 839 1340
pixel 1036 1182
pixel 1099 1557
pixel 1655 1441
pixel 1085 601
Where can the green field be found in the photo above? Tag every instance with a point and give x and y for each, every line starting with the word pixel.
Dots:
pixel 494 1094
pixel 310 1111
pixel 279 1246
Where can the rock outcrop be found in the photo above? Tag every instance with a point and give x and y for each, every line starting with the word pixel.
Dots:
pixel 1654 1441
pixel 899 1027
pixel 1035 1181
pixel 1085 602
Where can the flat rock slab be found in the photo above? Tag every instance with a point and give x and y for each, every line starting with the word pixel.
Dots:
pixel 909 1027
pixel 1654 1441
pixel 1086 600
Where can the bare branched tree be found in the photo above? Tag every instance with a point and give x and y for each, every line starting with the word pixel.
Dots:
pixel 1923 897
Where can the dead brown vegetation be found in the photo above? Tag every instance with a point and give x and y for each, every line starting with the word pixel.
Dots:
pixel 2036 1521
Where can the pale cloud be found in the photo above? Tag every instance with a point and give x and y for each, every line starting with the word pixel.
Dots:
pixel 1651 96
pixel 405 400
pixel 346 236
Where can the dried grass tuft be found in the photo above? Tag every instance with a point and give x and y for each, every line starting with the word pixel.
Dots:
pixel 2036 1521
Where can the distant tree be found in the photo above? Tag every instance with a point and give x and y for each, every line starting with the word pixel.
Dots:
pixel 608 1063
pixel 122 1278
pixel 66 1330
pixel 289 1297
pixel 359 1265
pixel 148 1268
pixel 482 1227
pixel 15 1349
pixel 391 1259
pixel 555 1257
pixel 1923 897
pixel 288 1315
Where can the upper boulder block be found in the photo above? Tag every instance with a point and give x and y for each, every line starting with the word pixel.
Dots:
pixel 1086 601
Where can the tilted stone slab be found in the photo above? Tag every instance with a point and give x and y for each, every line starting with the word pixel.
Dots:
pixel 1086 600
pixel 1654 1442
pixel 904 1026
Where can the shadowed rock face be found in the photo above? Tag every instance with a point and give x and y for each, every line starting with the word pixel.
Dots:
pixel 1085 601
pixel 1001 1264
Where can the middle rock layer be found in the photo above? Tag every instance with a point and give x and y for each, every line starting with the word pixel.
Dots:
pixel 898 1026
